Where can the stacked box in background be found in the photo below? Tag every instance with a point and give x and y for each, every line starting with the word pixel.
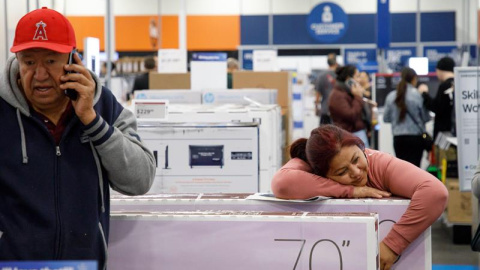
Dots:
pixel 459 207
pixel 282 81
pixel 266 116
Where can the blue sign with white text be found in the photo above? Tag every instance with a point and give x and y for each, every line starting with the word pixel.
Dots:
pixel 247 60
pixel 435 53
pixel 49 265
pixel 327 22
pixel 397 58
pixel 209 57
pixel 363 59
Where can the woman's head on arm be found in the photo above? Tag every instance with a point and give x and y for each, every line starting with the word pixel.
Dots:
pixel 334 153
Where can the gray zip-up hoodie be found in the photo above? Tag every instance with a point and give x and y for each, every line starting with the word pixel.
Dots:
pixel 54 199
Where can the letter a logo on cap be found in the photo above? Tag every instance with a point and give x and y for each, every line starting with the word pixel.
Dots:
pixel 40 33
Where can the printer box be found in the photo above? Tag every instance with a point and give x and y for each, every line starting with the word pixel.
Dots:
pixel 239 96
pixel 243 240
pixel 203 157
pixel 180 96
pixel 417 256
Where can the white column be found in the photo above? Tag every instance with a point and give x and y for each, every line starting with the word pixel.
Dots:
pixel 182 25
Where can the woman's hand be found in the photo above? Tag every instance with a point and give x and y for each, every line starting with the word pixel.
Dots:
pixel 368 192
pixel 387 257
pixel 423 88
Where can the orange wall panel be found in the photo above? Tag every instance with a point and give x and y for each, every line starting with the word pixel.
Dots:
pixel 213 32
pixel 169 32
pixel 88 27
pixel 132 33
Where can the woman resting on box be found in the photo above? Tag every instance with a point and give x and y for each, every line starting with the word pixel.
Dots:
pixel 335 163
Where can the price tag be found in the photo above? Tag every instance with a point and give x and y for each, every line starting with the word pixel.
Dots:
pixel 153 110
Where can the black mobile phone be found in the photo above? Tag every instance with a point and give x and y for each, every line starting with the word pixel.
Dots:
pixel 350 82
pixel 71 93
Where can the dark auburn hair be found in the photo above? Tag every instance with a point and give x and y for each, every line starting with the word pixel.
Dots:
pixel 324 144
pixel 408 75
pixel 344 72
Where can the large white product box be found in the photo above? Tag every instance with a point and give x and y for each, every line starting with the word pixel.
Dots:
pixel 270 128
pixel 239 96
pixel 243 240
pixel 417 256
pixel 180 96
pixel 203 157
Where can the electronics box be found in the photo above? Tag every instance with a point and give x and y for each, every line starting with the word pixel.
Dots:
pixel 270 129
pixel 221 157
pixel 240 96
pixel 243 240
pixel 180 96
pixel 417 256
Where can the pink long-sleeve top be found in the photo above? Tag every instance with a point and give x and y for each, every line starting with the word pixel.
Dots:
pixel 428 195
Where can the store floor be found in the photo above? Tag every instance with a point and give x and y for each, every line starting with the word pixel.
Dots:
pixel 449 256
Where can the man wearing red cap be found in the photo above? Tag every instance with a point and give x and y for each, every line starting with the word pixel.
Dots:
pixel 59 154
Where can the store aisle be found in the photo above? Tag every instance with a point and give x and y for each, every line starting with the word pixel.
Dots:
pixel 448 256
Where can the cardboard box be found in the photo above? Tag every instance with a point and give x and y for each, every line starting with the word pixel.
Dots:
pixel 237 96
pixel 180 96
pixel 270 129
pixel 169 80
pixel 282 81
pixel 417 256
pixel 459 207
pixel 243 240
pixel 203 157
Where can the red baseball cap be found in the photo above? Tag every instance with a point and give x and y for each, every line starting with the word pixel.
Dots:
pixel 44 28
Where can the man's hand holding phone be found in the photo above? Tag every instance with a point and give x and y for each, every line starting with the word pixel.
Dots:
pixel 79 86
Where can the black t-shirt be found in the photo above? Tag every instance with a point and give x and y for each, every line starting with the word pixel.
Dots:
pixel 141 82
pixel 442 105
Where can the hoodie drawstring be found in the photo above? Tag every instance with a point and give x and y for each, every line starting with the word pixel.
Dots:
pixel 100 175
pixel 22 135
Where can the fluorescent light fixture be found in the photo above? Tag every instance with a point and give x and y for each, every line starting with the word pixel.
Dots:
pixel 419 64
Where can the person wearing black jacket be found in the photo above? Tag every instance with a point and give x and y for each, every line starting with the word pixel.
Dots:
pixel 443 103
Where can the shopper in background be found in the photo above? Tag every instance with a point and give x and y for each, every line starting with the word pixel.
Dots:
pixel 346 105
pixel 334 163
pixel 323 87
pixel 232 65
pixel 443 104
pixel 59 156
pixel 364 81
pixel 142 81
pixel 103 69
pixel 405 111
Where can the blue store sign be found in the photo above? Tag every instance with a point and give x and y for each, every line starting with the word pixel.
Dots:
pixel 247 60
pixel 435 53
pixel 363 59
pixel 327 22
